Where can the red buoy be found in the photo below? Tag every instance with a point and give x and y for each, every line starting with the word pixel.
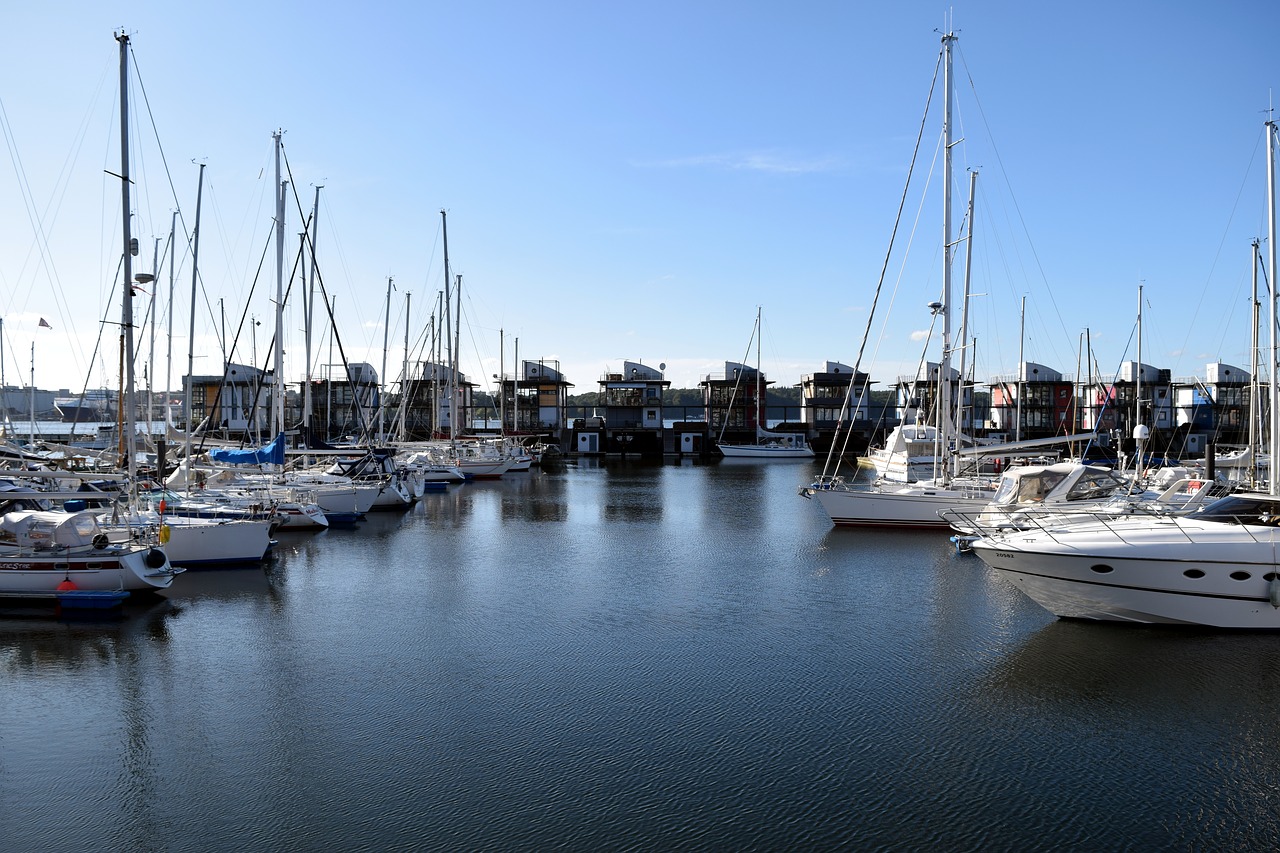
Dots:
pixel 67 585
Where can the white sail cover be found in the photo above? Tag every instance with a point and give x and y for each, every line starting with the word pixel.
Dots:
pixel 47 529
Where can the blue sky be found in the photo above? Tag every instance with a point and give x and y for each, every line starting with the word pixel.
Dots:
pixel 631 182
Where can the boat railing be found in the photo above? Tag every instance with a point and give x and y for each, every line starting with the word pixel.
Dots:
pixel 1119 521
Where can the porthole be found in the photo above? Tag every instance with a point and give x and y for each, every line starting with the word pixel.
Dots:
pixel 1194 574
pixel 1240 576
pixel 1269 577
pixel 1101 569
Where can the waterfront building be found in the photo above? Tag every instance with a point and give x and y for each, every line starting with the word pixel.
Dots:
pixel 838 388
pixel 918 397
pixel 1112 404
pixel 544 398
pixel 1036 402
pixel 430 399
pixel 1215 408
pixel 631 402
pixel 345 403
pixel 734 402
pixel 237 401
pixel 823 396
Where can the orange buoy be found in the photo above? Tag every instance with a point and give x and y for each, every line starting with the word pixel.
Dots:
pixel 67 585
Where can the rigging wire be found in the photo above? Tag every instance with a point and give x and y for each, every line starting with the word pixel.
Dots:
pixel 831 453
pixel 1013 198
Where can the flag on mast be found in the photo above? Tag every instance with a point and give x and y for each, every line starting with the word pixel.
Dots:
pixel 45 323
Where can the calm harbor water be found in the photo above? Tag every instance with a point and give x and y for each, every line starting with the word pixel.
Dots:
pixel 628 656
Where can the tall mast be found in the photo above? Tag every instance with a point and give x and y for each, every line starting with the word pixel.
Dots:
pixel 328 383
pixel 964 302
pixel 1022 336
pixel 455 403
pixel 126 307
pixel 944 374
pixel 4 395
pixel 191 335
pixel 435 365
pixel 760 409
pixel 1137 395
pixel 448 324
pixel 1090 400
pixel 386 331
pixel 310 298
pixel 1075 388
pixel 1255 387
pixel 168 359
pixel 304 393
pixel 964 316
pixel 404 370
pixel 279 348
pixel 31 398
pixel 226 406
pixel 1273 481
pixel 1137 379
pixel 151 346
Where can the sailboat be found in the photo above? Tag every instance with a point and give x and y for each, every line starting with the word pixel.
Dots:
pixel 885 503
pixel 60 553
pixel 768 444
pixel 189 541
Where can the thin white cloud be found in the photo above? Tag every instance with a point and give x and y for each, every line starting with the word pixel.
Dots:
pixel 748 161
pixel 920 335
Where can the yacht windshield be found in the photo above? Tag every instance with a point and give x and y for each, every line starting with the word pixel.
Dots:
pixel 1094 485
pixel 1242 510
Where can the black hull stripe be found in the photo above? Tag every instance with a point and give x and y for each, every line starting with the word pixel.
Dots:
pixel 911 525
pixel 1131 588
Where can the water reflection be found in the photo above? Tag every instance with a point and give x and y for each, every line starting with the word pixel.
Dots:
pixel 1144 667
pixel 36 638
pixel 533 498
pixel 629 655
pixel 633 493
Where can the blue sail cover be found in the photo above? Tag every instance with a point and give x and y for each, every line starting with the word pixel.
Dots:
pixel 271 454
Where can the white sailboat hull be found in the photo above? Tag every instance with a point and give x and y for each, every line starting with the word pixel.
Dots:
pixel 482 469
pixel 762 451
pixel 195 542
pixel 392 495
pixel 893 505
pixel 295 515
pixel 102 570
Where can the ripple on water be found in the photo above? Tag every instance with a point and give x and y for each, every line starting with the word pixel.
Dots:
pixel 630 657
